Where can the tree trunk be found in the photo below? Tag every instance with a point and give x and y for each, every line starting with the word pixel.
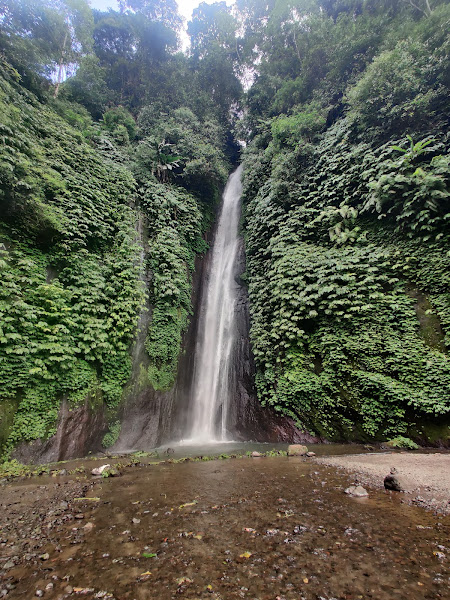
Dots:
pixel 60 67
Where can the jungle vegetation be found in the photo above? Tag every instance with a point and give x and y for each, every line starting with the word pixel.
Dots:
pixel 115 146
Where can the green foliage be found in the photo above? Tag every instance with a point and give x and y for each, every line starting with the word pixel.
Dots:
pixel 174 237
pixel 303 125
pixel 45 34
pixel 70 290
pixel 179 147
pixel 346 222
pixel 416 194
pixel 403 442
pixel 121 124
pixel 398 89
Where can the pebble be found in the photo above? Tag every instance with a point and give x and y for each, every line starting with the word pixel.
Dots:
pixel 136 521
pixel 8 565
pixel 39 593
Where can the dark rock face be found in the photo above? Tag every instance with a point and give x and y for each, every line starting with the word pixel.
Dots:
pixel 79 430
pixel 151 418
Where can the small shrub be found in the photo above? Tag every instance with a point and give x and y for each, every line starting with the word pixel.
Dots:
pixel 403 442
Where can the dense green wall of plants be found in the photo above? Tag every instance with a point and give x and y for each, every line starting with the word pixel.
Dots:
pixel 347 226
pixel 74 258
pixel 70 290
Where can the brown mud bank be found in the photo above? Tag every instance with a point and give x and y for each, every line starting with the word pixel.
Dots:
pixel 265 528
pixel 425 478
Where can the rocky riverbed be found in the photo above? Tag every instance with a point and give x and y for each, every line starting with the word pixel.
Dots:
pixel 263 528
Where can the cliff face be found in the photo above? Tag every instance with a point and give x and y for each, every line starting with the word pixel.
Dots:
pixel 70 288
pixel 151 418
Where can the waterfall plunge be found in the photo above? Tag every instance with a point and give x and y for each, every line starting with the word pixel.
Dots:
pixel 210 388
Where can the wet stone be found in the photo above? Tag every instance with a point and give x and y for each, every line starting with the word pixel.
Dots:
pixel 297 450
pixel 357 491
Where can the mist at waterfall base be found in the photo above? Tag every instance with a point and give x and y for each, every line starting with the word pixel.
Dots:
pixel 207 422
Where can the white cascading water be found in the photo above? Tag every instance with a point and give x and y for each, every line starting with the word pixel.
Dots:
pixel 217 325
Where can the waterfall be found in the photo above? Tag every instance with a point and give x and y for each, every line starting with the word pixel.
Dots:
pixel 211 389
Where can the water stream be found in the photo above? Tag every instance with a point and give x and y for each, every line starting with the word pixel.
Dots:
pixel 213 351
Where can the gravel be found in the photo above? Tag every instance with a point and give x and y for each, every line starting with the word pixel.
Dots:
pixel 425 477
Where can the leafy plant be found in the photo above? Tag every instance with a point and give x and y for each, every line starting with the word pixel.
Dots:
pixel 403 442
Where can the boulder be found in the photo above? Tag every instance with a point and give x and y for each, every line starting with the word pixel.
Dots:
pixel 392 481
pixel 297 450
pixel 357 491
pixel 99 470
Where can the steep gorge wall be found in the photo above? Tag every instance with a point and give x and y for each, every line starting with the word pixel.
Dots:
pixel 86 262
pixel 152 418
pixel 70 286
pixel 347 206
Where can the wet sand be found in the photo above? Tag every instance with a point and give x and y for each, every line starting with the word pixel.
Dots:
pixel 424 477
pixel 261 529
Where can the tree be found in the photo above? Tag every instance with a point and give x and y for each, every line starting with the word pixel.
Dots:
pixel 215 54
pixel 46 36
pixel 77 40
pixel 164 11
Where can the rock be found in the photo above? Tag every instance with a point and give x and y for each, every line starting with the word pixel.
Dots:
pixel 297 450
pixel 63 505
pixel 89 526
pixel 310 454
pixel 99 470
pixel 45 556
pixel 136 521
pixel 256 454
pixel 49 587
pixel 39 593
pixel 68 589
pixel 62 472
pixel 392 482
pixel 357 491
pixel 8 565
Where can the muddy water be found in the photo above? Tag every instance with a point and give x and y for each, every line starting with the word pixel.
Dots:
pixel 262 529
